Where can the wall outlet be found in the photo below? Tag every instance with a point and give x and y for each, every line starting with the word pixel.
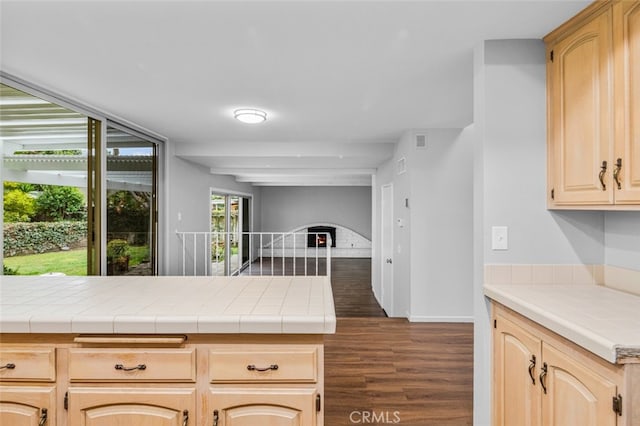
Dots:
pixel 499 238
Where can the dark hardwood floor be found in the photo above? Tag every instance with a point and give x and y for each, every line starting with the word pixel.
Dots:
pixel 382 370
pixel 351 286
pixel 420 374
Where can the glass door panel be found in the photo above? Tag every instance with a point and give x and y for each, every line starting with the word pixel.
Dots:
pixel 44 173
pixel 246 226
pixel 218 236
pixel 234 235
pixel 229 233
pixel 131 204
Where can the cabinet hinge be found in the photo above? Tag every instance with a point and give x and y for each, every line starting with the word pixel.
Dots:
pixel 553 194
pixel 617 404
pixel 66 400
pixel 318 404
pixel 551 56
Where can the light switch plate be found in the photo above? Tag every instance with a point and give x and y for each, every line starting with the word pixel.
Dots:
pixel 499 238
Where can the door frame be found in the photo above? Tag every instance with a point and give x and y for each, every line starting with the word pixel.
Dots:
pixel 386 248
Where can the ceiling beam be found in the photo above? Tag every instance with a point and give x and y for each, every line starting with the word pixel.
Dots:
pixel 266 172
pixel 305 183
pixel 285 149
pixel 307 180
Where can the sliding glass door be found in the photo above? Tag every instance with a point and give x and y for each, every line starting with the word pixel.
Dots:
pixel 131 203
pixel 230 224
pixel 72 204
pixel 47 189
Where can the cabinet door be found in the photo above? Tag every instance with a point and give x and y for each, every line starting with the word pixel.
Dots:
pixel 575 394
pixel 626 15
pixel 264 407
pixel 516 399
pixel 27 405
pixel 132 406
pixel 580 115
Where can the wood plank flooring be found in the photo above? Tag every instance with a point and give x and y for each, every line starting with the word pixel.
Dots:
pixel 387 370
pixel 420 374
pixel 351 286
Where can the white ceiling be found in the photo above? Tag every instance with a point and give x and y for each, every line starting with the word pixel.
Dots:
pixel 340 80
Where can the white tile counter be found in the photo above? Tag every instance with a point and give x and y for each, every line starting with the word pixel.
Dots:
pixel 602 320
pixel 262 305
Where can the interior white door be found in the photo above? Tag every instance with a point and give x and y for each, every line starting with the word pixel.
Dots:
pixel 386 201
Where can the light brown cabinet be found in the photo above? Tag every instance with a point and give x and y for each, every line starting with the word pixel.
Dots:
pixel 127 406
pixel 539 378
pixel 181 380
pixel 93 401
pixel 282 406
pixel 573 393
pixel 265 384
pixel 626 45
pixel 27 390
pixel 27 405
pixel 516 397
pixel 593 122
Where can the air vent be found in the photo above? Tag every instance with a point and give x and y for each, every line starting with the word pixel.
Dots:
pixel 421 141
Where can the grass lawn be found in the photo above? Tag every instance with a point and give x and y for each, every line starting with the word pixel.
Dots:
pixel 72 262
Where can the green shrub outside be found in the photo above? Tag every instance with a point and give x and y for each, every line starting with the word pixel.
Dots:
pixel 41 237
pixel 18 206
pixel 9 271
pixel 118 249
pixel 25 202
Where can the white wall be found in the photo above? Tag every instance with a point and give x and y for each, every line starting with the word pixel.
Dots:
pixel 189 190
pixel 286 208
pixel 622 239
pixel 510 185
pixel 441 204
pixel 432 263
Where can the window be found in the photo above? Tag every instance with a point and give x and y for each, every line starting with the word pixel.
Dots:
pixel 67 196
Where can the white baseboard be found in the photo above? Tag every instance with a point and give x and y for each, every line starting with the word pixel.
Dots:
pixel 422 318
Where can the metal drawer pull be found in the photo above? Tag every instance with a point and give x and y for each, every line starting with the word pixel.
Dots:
pixel 616 173
pixel 43 417
pixel 603 170
pixel 252 367
pixel 137 367
pixel 531 367
pixel 543 376
pixel 185 417
pixel 9 366
pixel 215 417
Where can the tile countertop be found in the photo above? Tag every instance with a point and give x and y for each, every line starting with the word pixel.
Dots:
pixel 601 320
pixel 264 305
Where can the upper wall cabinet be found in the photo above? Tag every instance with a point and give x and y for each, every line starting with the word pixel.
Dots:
pixel 626 45
pixel 593 109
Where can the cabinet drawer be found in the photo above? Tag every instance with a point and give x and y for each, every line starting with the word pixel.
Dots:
pixel 28 364
pixel 253 365
pixel 138 365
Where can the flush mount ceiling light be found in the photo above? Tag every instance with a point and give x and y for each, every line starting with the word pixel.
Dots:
pixel 250 115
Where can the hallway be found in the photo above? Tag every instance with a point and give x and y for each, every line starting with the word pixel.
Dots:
pixel 387 370
pixel 351 286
